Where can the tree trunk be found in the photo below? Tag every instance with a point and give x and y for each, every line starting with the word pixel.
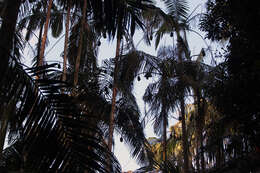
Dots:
pixel 7 32
pixel 39 44
pixel 197 159
pixel 182 104
pixel 77 63
pixel 64 73
pixel 164 137
pixel 44 37
pixel 199 127
pixel 113 106
pixel 184 138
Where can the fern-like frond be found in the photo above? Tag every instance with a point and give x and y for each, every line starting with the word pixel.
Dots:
pixel 56 134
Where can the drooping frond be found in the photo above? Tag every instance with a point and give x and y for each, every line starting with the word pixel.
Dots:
pixel 128 125
pixel 158 22
pixel 165 28
pixel 34 20
pixel 127 119
pixel 121 15
pixel 177 8
pixel 56 21
pixel 88 70
pixel 56 134
pixel 127 111
pixel 130 65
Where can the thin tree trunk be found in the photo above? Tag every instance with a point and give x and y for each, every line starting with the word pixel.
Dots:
pixel 199 126
pixel 64 73
pixel 77 63
pixel 184 137
pixel 44 37
pixel 182 104
pixel 39 44
pixel 164 137
pixel 186 46
pixel 113 106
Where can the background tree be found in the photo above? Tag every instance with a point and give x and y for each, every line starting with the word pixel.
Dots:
pixel 240 72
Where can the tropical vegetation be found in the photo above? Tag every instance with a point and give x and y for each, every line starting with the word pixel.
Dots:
pixel 63 116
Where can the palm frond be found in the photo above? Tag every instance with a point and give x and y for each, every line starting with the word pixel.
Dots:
pixel 130 65
pixel 56 22
pixel 68 138
pixel 169 166
pixel 177 8
pixel 129 127
pixel 128 114
pixel 123 15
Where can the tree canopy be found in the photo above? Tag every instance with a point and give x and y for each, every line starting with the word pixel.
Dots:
pixel 62 117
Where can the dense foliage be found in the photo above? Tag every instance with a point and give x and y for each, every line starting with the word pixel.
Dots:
pixel 54 120
pixel 238 88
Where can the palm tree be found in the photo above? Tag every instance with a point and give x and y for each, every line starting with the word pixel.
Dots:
pixel 46 123
pixel 7 34
pixel 114 94
pixel 198 87
pixel 31 22
pixel 10 108
pixel 126 14
pixel 176 21
pixel 44 37
pixel 127 135
pixel 87 82
pixel 178 12
pixel 180 76
pixel 35 19
pixel 162 95
pixel 157 94
pixel 161 101
pixel 77 63
pixel 127 115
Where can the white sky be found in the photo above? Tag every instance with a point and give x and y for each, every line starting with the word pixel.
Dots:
pixel 107 50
